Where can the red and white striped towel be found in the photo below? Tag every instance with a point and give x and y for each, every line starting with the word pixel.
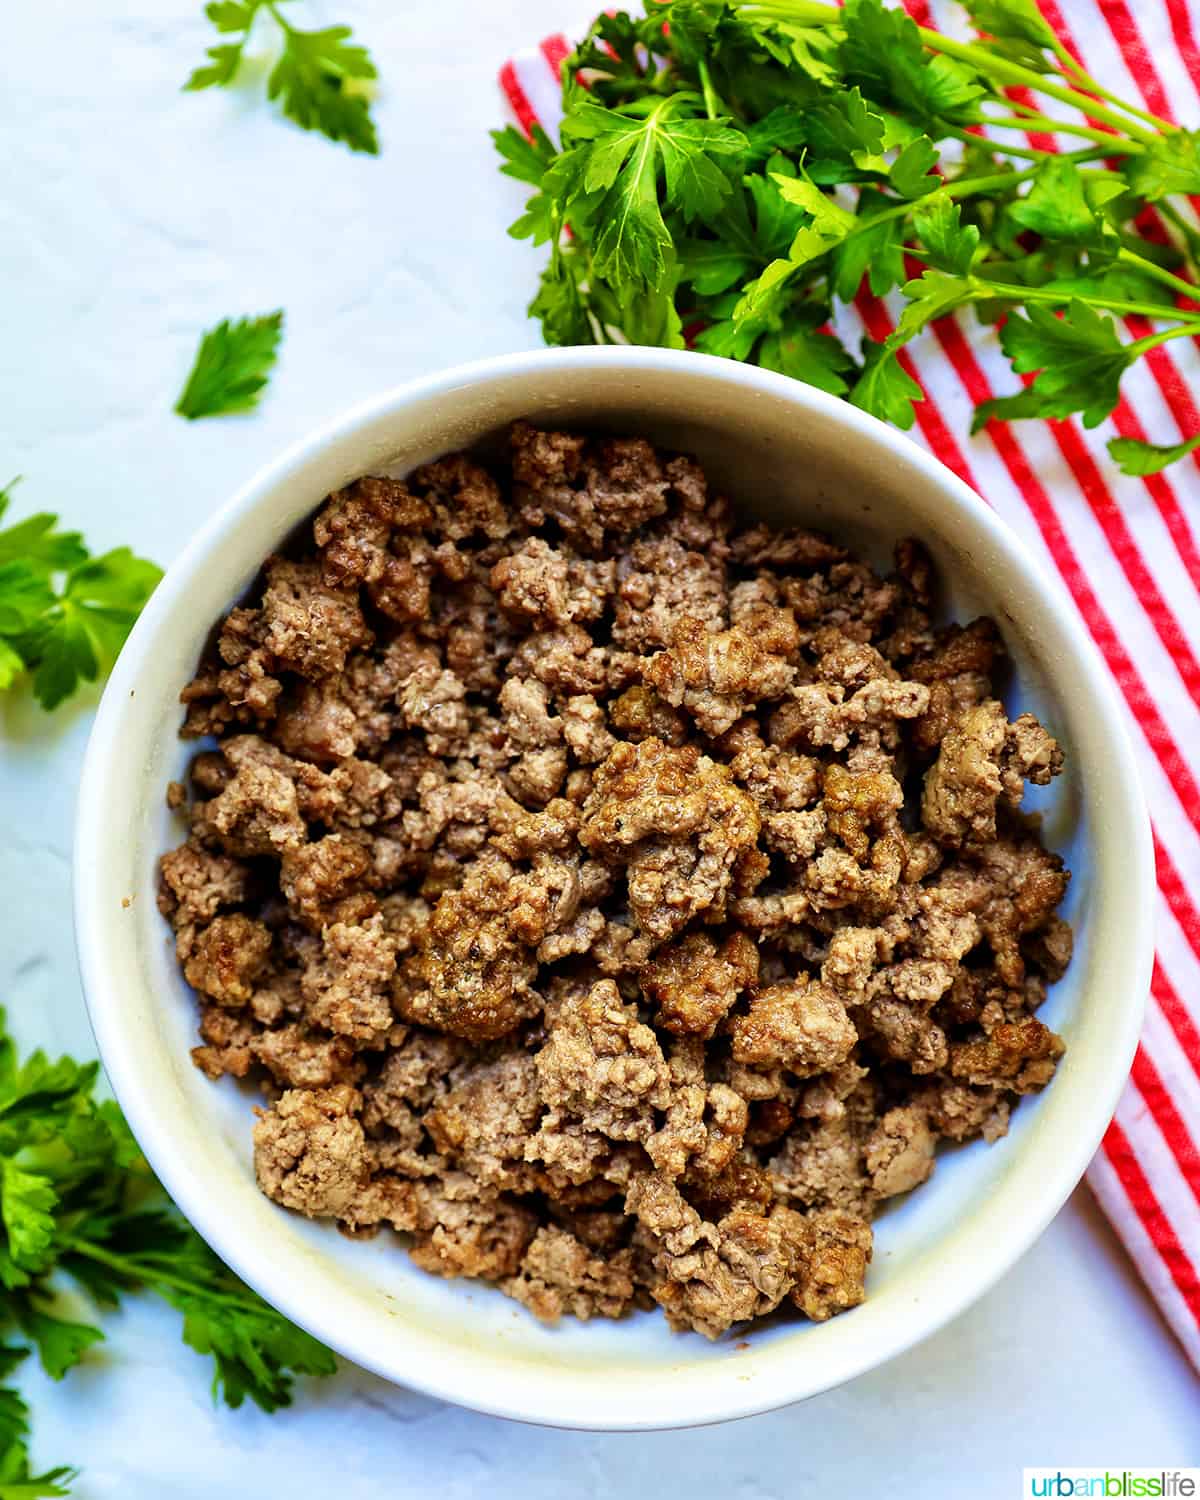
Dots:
pixel 1128 553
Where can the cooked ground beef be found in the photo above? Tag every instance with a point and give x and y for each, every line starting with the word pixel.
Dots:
pixel 619 900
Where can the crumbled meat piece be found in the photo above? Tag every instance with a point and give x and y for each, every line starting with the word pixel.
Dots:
pixel 463 1231
pixel 257 813
pixel 603 1067
pixel 310 1152
pixel 550 588
pixel 1020 1056
pixel 834 1261
pixel 715 675
pixel 679 825
pixel 484 1121
pixel 316 878
pixel 617 898
pixel 587 489
pixel 958 1111
pixel 640 714
pixel 346 987
pixel 559 1274
pixel 302 1059
pixel 309 626
pixel 472 975
pixel 899 1152
pixel 584 730
pixel 821 1165
pixel 465 497
pixel 227 957
pixel 801 1026
pixel 196 884
pixel 228 1036
pixel 660 584
pixel 695 984
pixel 982 759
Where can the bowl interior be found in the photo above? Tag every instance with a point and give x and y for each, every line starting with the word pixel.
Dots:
pixel 786 453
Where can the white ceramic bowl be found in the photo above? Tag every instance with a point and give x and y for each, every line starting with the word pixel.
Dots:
pixel 789 451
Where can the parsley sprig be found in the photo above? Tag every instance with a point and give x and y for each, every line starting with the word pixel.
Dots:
pixel 318 77
pixel 80 1208
pixel 731 170
pixel 64 614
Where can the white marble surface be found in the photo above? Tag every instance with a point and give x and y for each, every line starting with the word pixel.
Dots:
pixel 133 217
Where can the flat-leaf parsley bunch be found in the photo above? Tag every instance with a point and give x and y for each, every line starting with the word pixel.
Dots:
pixel 81 1211
pixel 735 168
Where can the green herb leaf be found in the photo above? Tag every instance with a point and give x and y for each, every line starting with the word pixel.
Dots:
pixel 884 388
pixel 804 352
pixel 1057 205
pixel 1135 457
pixel 1168 166
pixel 912 173
pixel 732 165
pixel 1079 360
pixel 950 244
pixel 232 367
pixel 525 158
pixel 77 1200
pixel 884 53
pixel 60 1343
pixel 1019 20
pixel 931 296
pixel 36 541
pixel 875 251
pixel 89 622
pixel 27 1202
pixel 625 157
pixel 310 79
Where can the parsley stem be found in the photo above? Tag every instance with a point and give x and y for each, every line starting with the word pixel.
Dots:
pixel 711 102
pixel 1093 86
pixel 139 1270
pixel 1161 274
pixel 992 65
pixel 1189 231
pixel 274 10
pixel 1034 120
pixel 1164 335
pixel 986 290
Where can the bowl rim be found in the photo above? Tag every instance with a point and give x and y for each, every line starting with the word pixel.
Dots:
pixel 280 1275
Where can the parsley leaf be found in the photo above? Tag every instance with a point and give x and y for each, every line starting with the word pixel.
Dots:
pixel 1057 206
pixel 931 296
pixel 1135 457
pixel 232 367
pixel 949 243
pixel 885 388
pixel 37 542
pixel 806 352
pixel 1079 360
pixel 86 626
pixel 875 251
pixel 63 615
pixel 622 158
pixel 317 77
pixel 883 50
pixel 1169 165
pixel 1017 20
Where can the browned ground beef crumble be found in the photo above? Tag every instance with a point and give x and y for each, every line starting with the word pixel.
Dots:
pixel 619 900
